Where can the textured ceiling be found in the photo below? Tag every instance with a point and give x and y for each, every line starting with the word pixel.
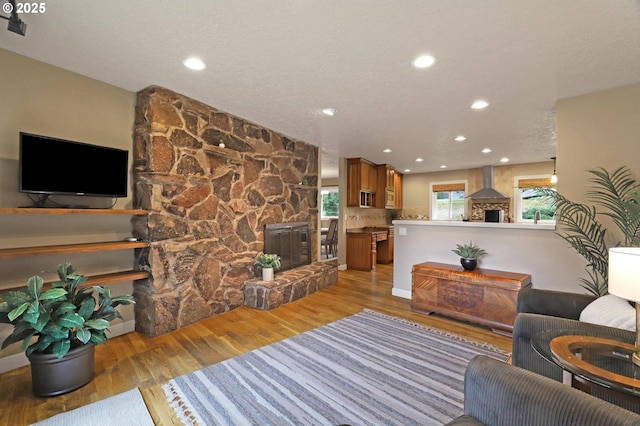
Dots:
pixel 278 62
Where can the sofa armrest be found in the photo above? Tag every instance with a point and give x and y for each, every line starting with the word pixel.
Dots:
pixel 498 394
pixel 554 303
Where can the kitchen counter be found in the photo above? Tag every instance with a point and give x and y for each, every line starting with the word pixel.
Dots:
pixel 368 246
pixel 460 223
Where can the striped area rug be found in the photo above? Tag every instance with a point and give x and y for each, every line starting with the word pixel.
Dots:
pixel 366 369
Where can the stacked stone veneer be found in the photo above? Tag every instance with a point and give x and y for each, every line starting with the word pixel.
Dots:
pixel 208 205
pixel 289 286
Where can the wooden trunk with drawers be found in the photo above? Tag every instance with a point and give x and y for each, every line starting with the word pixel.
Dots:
pixel 483 296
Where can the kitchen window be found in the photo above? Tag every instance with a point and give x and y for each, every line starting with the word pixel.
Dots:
pixel 530 199
pixel 329 202
pixel 447 200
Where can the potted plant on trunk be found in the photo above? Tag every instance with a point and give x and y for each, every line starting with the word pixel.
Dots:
pixel 469 255
pixel 67 320
pixel 268 262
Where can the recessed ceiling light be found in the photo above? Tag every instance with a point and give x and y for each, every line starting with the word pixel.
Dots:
pixel 407 170
pixel 480 104
pixel 194 64
pixel 486 150
pixel 460 138
pixel 504 160
pixel 424 61
pixel 386 150
pixel 329 111
pixel 419 160
pixel 444 166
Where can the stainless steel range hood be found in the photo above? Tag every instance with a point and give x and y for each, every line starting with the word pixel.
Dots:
pixel 487 190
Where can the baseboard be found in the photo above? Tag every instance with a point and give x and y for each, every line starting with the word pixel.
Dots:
pixel 398 292
pixel 342 267
pixel 11 362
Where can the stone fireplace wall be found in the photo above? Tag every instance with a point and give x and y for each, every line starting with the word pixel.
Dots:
pixel 208 205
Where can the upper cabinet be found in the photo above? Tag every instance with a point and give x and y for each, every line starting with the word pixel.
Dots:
pixel 371 185
pixel 362 182
pixel 397 185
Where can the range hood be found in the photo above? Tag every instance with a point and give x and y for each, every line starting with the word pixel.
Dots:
pixel 487 190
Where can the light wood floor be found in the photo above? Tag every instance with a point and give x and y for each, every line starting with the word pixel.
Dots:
pixel 133 360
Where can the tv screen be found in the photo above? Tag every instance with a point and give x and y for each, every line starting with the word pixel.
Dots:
pixel 55 166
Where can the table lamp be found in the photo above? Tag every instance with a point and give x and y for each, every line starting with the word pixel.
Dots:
pixel 624 281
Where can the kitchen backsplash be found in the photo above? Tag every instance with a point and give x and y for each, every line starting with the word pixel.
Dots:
pixel 362 218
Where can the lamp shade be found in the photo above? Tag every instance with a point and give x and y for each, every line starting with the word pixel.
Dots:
pixel 624 272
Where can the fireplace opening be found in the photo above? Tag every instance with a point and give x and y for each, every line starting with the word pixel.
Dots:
pixel 290 241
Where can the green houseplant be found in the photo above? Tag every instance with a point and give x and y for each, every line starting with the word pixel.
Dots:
pixel 469 255
pixel 267 262
pixel 613 220
pixel 64 320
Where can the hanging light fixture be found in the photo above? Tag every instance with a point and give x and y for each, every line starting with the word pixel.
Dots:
pixel 554 177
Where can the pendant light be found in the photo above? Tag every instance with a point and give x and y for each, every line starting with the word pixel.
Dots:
pixel 554 177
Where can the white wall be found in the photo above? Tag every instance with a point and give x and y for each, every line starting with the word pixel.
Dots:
pixel 530 249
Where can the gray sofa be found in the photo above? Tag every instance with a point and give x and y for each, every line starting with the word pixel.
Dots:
pixel 541 310
pixel 498 394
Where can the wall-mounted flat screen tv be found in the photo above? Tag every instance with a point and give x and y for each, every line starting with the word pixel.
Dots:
pixel 56 166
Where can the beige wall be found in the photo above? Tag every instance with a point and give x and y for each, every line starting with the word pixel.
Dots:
pixel 415 189
pixel 42 99
pixel 600 129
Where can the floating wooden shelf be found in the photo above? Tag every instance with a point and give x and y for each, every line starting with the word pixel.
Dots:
pixel 27 210
pixel 9 253
pixel 103 279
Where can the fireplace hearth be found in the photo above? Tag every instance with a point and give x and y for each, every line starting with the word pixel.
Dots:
pixel 290 241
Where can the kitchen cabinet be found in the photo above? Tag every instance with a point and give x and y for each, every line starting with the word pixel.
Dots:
pixel 385 248
pixel 386 187
pixel 362 182
pixel 397 185
pixel 362 247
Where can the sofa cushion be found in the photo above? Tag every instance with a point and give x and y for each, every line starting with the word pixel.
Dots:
pixel 611 311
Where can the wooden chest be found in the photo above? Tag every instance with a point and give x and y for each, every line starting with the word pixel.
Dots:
pixel 483 296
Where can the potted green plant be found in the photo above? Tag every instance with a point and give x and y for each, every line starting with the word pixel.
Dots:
pixel 469 255
pixel 612 220
pixel 67 321
pixel 267 262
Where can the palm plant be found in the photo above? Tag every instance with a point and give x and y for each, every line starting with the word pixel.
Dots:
pixel 616 197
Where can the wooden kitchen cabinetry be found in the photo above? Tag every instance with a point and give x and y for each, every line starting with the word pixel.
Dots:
pixel 362 182
pixel 385 248
pixel 397 185
pixel 483 296
pixel 362 247
pixel 386 187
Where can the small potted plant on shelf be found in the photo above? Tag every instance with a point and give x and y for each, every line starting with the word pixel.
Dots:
pixel 67 320
pixel 268 262
pixel 469 255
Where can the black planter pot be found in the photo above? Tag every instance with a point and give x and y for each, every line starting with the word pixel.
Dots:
pixel 469 264
pixel 51 375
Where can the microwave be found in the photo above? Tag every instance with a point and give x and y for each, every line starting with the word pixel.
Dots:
pixel 494 216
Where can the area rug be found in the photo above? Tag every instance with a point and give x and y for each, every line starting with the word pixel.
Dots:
pixel 125 409
pixel 366 369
